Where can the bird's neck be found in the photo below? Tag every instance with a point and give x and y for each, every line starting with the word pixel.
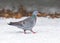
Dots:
pixel 33 16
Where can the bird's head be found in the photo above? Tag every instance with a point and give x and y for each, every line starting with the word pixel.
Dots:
pixel 35 13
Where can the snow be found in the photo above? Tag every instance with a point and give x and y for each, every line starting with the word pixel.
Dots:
pixel 47 31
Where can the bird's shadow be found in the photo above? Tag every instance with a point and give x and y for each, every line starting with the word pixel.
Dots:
pixel 18 32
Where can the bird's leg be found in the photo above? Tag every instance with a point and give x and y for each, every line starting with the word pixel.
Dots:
pixel 33 31
pixel 24 31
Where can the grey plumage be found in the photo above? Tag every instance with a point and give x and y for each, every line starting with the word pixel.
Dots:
pixel 26 24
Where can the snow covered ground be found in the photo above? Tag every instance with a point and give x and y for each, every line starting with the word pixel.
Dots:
pixel 47 31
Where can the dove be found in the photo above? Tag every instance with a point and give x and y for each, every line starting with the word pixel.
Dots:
pixel 26 24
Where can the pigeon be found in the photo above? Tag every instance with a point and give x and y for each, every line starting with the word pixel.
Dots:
pixel 26 24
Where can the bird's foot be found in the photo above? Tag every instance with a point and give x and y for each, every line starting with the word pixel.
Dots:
pixel 24 31
pixel 33 32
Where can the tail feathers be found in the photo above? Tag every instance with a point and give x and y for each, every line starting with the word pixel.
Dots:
pixel 11 23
